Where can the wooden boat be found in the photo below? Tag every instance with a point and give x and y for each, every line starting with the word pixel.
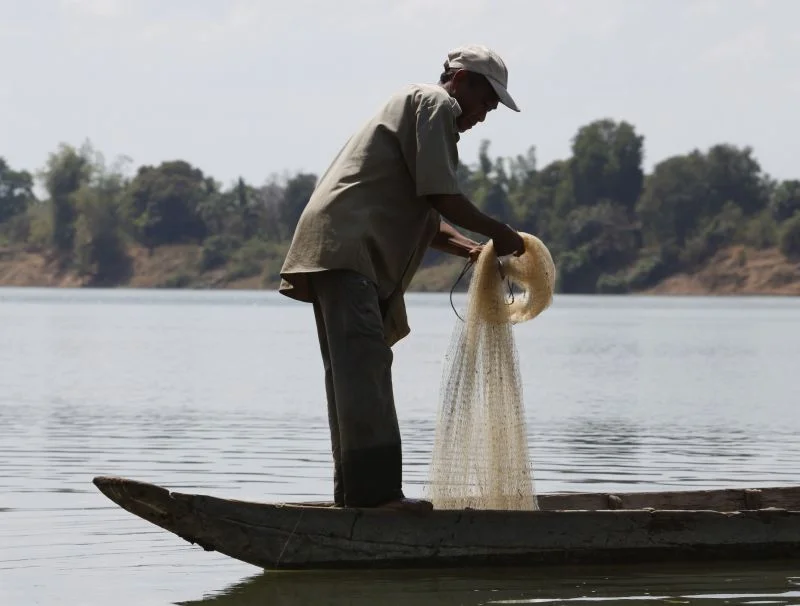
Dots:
pixel 751 524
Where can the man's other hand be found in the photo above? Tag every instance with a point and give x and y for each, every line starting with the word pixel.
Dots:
pixel 508 242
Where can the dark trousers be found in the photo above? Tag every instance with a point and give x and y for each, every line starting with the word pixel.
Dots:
pixel 365 436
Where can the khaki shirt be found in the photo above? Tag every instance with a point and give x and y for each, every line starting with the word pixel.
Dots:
pixel 369 212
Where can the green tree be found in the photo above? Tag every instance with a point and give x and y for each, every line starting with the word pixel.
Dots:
pixel 266 205
pixel 16 191
pixel 164 203
pixel 464 174
pixel 66 171
pixel 522 170
pixel 233 212
pixel 219 212
pixel 296 195
pixel 485 163
pixel 789 239
pixel 496 202
pixel 476 180
pixel 246 209
pixel 600 240
pixel 606 164
pixel 733 175
pixel 785 200
pixel 712 234
pixel 100 249
pixel 609 228
pixel 673 200
pixel 536 201
pixel 521 175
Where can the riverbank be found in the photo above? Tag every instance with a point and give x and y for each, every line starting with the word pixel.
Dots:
pixel 735 270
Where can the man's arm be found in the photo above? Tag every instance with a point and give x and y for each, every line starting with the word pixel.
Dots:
pixel 452 241
pixel 457 209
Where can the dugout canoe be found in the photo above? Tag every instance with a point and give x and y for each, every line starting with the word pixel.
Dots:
pixel 579 528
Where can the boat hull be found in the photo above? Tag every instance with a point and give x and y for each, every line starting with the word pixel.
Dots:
pixel 297 536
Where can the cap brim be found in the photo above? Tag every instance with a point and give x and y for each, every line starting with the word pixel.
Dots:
pixel 503 95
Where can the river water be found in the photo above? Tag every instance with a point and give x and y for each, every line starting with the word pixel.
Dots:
pixel 222 393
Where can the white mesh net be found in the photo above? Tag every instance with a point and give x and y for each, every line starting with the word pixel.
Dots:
pixel 480 457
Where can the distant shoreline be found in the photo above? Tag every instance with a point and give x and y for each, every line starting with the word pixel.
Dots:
pixel 735 270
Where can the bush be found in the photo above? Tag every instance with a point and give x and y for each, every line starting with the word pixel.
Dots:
pixel 615 284
pixel 249 259
pixel 785 201
pixel 180 280
pixel 100 249
pixel 217 250
pixel 40 227
pixel 697 249
pixel 760 232
pixel 713 235
pixel 16 230
pixel 272 271
pixel 575 272
pixel 789 240
pixel 257 257
pixel 648 270
pixel 102 257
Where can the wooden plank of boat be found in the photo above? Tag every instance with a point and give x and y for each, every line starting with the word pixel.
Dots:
pixel 569 528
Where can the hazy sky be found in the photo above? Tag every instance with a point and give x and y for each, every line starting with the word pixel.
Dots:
pixel 255 87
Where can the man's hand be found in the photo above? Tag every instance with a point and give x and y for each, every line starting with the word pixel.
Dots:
pixel 452 241
pixel 459 210
pixel 508 242
pixel 475 252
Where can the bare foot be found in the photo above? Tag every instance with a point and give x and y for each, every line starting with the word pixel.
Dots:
pixel 407 505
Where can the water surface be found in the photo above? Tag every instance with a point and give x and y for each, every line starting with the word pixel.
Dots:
pixel 221 392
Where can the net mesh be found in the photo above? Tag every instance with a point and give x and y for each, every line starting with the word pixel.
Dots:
pixel 480 456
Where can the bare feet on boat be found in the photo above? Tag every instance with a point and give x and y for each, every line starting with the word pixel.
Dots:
pixel 407 505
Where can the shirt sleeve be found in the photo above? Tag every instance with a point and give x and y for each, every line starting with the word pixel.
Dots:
pixel 437 152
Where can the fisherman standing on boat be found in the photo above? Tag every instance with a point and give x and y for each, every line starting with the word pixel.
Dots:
pixel 390 193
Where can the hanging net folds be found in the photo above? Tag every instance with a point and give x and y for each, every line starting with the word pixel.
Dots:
pixel 480 456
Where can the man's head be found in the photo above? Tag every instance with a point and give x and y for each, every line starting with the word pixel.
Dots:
pixel 477 77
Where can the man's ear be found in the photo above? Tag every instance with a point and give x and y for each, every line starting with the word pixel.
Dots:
pixel 459 79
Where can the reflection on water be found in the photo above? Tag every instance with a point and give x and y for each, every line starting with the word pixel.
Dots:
pixel 742 584
pixel 222 393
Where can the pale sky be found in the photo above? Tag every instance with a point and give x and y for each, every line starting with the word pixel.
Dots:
pixel 257 87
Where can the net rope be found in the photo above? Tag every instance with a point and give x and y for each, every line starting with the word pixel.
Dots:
pixel 480 457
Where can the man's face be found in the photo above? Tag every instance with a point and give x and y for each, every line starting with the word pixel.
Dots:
pixel 475 96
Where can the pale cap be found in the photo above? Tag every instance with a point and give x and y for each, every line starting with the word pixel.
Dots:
pixel 482 60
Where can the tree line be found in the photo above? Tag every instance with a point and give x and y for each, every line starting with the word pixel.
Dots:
pixel 610 227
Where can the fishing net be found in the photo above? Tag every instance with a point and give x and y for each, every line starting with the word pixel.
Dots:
pixel 480 456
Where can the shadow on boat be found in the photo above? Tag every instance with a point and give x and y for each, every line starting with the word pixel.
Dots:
pixel 740 583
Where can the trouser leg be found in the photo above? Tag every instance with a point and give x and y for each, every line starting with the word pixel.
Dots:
pixel 333 421
pixel 360 393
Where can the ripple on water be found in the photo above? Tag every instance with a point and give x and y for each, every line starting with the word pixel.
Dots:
pixel 224 395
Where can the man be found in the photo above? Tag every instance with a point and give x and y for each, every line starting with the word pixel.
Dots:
pixel 373 214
